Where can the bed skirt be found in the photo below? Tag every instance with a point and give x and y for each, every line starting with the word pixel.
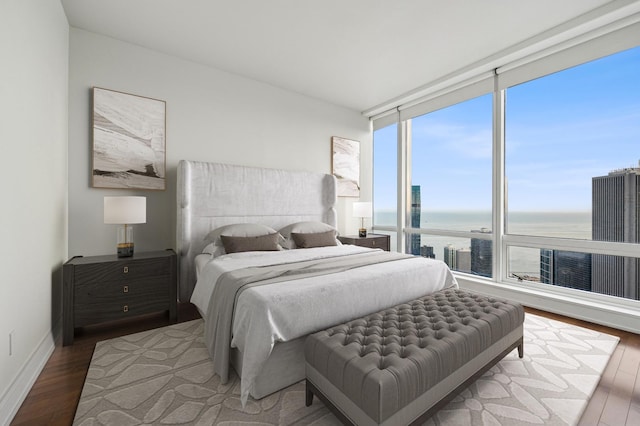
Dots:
pixel 284 367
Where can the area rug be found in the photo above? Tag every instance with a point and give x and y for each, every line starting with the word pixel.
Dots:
pixel 164 376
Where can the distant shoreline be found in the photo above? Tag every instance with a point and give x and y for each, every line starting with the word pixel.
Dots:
pixel 522 260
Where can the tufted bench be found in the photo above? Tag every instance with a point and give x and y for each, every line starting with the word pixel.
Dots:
pixel 400 365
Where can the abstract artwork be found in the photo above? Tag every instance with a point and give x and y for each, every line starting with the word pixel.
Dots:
pixel 128 141
pixel 346 166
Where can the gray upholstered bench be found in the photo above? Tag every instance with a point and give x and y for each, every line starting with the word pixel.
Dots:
pixel 400 365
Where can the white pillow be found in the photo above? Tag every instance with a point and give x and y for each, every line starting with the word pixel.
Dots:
pixel 213 250
pixel 215 247
pixel 308 227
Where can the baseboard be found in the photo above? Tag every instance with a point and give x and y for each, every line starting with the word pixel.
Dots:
pixel 19 389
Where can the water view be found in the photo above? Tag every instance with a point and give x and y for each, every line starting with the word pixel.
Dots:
pixel 522 260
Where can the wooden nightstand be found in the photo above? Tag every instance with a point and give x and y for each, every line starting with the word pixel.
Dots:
pixel 97 289
pixel 371 240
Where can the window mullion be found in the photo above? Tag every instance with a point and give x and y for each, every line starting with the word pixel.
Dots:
pixel 499 185
pixel 403 173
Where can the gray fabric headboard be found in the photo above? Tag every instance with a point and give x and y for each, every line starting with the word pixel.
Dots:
pixel 210 195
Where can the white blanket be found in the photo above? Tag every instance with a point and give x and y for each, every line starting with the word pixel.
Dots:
pixel 285 311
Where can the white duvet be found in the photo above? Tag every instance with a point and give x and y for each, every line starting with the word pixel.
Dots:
pixel 287 310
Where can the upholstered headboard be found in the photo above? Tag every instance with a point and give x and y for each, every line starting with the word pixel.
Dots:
pixel 210 195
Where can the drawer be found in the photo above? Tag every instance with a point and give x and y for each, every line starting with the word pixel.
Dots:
pixel 105 301
pixel 94 313
pixel 101 292
pixel 373 243
pixel 122 270
pixel 367 243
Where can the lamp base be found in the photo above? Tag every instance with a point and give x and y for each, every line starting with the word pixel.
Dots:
pixel 125 250
pixel 125 241
pixel 362 232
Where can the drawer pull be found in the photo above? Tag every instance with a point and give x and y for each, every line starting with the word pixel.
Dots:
pixel 126 270
pixel 125 308
pixel 125 289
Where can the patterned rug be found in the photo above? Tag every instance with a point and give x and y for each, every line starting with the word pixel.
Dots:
pixel 164 377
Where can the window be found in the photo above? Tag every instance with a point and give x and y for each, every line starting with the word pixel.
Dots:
pixel 385 177
pixel 469 255
pixel 571 179
pixel 451 166
pixel 590 272
pixel 572 172
pixel 451 159
pixel 566 133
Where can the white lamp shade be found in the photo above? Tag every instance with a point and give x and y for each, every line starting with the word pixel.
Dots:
pixel 362 209
pixel 125 210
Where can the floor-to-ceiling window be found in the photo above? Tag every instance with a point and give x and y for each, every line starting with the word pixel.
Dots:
pixel 555 158
pixel 450 182
pixel 385 180
pixel 572 151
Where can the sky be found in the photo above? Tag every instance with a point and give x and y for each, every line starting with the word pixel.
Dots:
pixel 561 130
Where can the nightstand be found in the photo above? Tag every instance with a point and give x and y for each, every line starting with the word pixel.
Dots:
pixel 371 240
pixel 98 289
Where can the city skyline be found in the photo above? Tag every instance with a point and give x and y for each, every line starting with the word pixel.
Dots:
pixel 615 218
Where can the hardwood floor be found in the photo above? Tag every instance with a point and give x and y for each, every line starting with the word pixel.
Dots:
pixel 54 396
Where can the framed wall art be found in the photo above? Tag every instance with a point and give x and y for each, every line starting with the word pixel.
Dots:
pixel 128 141
pixel 346 166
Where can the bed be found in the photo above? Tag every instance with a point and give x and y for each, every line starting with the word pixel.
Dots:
pixel 271 321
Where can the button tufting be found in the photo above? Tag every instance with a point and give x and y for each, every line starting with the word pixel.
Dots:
pixel 403 331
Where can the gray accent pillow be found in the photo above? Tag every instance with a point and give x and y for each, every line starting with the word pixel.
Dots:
pixel 305 227
pixel 316 239
pixel 238 230
pixel 267 242
pixel 215 246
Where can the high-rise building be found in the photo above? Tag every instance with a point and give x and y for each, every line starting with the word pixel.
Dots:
pixel 427 251
pixel 463 260
pixel 565 269
pixel 546 266
pixel 414 241
pixel 481 254
pixel 616 217
pixel 450 256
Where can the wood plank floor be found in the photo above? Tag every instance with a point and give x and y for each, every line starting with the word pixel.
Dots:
pixel 54 396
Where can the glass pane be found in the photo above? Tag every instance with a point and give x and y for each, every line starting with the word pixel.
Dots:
pixel 606 274
pixel 572 152
pixel 385 176
pixel 523 263
pixel 470 255
pixel 451 159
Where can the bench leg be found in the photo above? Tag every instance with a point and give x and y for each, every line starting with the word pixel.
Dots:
pixel 521 350
pixel 308 396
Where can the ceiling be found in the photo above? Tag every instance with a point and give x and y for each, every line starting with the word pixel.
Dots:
pixel 354 53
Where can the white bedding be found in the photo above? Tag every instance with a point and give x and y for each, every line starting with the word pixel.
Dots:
pixel 287 310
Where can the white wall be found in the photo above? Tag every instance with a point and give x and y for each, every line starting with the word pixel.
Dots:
pixel 211 116
pixel 33 183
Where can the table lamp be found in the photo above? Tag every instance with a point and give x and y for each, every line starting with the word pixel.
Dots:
pixel 362 210
pixel 125 211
